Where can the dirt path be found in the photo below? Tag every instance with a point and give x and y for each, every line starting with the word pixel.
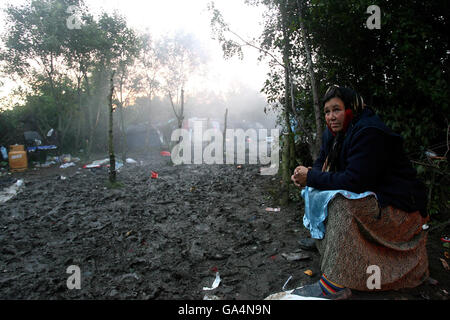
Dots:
pixel 160 238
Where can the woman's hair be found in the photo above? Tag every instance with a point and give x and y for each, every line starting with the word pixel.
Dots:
pixel 352 100
pixel 332 92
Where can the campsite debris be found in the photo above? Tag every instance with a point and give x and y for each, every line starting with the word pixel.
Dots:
pixel 295 256
pixel 65 158
pixel 9 193
pixel 154 175
pixel 211 297
pixel 215 283
pixel 46 164
pixel 425 227
pixel 214 269
pixel 67 165
pixel 430 154
pixel 288 295
pixel 131 161
pixel 239 167
pixel 102 163
pixel 63 178
pixel 4 153
pixel 165 154
pixel 447 255
pixel 273 209
pixel 284 286
pixel 96 164
pixel 445 239
pixel 309 273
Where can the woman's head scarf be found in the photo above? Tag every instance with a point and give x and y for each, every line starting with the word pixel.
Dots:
pixel 354 104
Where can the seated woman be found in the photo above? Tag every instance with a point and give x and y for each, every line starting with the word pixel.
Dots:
pixel 358 154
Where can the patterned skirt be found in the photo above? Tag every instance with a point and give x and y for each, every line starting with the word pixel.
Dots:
pixel 363 242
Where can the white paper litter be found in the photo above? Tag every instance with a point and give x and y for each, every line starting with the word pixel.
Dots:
pixel 9 193
pixel 287 295
pixel 215 283
pixel 131 161
pixel 286 283
pixel 67 165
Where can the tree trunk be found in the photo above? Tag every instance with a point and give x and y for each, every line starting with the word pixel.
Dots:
pixel 123 133
pixel 286 177
pixel 181 118
pixel 317 112
pixel 112 158
pixel 286 158
pixel 225 133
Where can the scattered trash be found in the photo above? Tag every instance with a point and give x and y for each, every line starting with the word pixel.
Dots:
pixel 287 295
pixel 4 153
pixel 309 273
pixel 128 233
pixel 295 256
pixel 215 283
pixel 65 158
pixel 67 165
pixel 430 154
pixel 45 164
pixel 131 161
pixel 192 189
pixel 273 209
pixel 444 264
pixel 9 193
pixel 211 297
pixel 447 255
pixel 102 163
pixel 239 167
pixel 63 178
pixel 155 175
pixel 284 286
pixel 425 227
pixel 165 153
pixel 97 164
pixel 445 239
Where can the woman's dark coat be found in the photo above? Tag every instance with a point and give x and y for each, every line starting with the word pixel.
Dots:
pixel 372 159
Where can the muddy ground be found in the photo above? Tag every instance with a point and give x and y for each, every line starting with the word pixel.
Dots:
pixel 162 238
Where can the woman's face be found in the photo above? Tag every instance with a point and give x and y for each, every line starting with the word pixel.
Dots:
pixel 335 114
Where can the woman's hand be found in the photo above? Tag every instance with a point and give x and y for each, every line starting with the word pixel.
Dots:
pixel 300 176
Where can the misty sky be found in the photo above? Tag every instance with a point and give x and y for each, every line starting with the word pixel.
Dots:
pixel 162 17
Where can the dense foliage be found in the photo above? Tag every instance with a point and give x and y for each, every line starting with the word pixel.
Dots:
pixel 398 62
pixel 64 56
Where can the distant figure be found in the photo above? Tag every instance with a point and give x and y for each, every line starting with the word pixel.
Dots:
pixel 360 154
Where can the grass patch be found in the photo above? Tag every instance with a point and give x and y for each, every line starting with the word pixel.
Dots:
pixel 114 185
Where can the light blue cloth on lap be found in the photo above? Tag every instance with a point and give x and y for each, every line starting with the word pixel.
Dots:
pixel 316 207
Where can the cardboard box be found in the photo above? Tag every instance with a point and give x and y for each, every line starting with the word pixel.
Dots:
pixel 16 147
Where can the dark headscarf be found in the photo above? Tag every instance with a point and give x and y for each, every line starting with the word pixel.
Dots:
pixel 354 104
